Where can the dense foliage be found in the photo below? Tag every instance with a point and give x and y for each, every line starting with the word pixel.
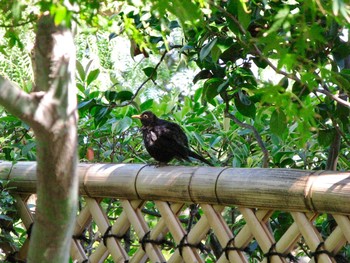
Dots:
pixel 253 83
pixel 279 71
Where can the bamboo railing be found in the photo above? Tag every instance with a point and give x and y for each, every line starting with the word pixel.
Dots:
pixel 255 194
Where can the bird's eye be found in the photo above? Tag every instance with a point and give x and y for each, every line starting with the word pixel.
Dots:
pixel 145 116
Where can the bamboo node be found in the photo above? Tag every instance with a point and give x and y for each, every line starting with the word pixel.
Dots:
pixel 308 191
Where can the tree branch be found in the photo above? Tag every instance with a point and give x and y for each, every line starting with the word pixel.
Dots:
pixel 334 97
pixel 18 102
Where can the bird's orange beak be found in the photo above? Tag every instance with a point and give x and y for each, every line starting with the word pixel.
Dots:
pixel 136 116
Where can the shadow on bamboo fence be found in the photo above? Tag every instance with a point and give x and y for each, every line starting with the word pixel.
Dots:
pixel 236 219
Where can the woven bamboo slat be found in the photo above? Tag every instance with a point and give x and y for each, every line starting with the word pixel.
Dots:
pixel 311 235
pixel 344 223
pixel 291 236
pixel 177 231
pixel 157 233
pixel 256 194
pixel 113 245
pixel 222 231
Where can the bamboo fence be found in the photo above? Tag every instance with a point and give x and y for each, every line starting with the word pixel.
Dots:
pixel 255 195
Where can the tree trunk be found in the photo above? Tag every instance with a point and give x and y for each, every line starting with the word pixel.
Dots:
pixel 51 110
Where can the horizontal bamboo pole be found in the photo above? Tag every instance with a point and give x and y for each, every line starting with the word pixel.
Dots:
pixel 282 189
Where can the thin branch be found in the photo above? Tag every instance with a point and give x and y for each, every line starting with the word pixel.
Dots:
pixel 123 104
pixel 20 24
pixel 334 97
pixel 256 135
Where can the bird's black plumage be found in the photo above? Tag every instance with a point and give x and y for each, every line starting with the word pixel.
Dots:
pixel 165 140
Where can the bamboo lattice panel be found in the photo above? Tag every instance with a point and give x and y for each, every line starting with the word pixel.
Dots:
pixel 168 240
pixel 236 221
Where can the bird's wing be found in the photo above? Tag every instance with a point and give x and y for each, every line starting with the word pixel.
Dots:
pixel 174 132
pixel 177 140
pixel 172 137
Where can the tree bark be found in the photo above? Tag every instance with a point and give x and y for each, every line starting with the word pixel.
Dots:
pixel 51 111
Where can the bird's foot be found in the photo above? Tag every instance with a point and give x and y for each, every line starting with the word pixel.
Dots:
pixel 158 164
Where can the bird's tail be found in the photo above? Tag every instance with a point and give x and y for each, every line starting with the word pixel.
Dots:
pixel 198 157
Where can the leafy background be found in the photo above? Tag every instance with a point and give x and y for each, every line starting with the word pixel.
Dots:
pixel 253 83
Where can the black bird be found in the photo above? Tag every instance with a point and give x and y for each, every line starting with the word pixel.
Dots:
pixel 165 140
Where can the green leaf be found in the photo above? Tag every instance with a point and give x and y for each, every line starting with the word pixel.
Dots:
pixel 60 14
pixel 27 148
pixel 280 19
pixel 111 95
pixel 224 44
pixel 288 60
pixel 203 74
pixel 150 72
pixel 341 81
pixel 341 51
pixel 80 87
pixel 217 140
pixel 85 105
pixel 146 105
pixel 239 8
pixel 88 65
pixel 8 118
pixel 343 113
pixel 215 53
pixel 223 86
pixel 93 75
pixel 260 62
pixel 124 95
pixel 189 13
pixel 121 125
pixel 198 138
pixel 100 115
pixel 284 82
pixel 197 94
pixel 300 90
pixel 326 137
pixel 278 122
pixel 244 105
pixel 210 89
pixel 16 10
pixel 205 51
pixel 80 70
pixel 336 6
